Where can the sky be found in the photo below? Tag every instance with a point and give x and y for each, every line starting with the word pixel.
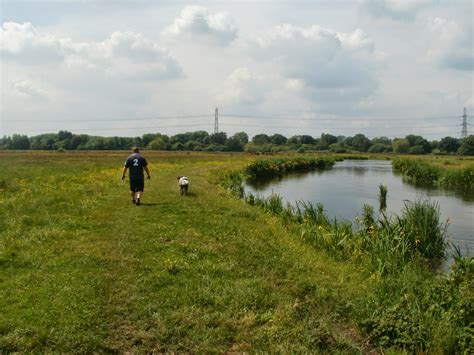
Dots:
pixel 103 67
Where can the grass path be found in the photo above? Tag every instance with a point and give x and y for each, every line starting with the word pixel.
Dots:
pixel 83 269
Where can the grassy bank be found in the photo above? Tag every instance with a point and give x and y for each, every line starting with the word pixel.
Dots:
pixel 84 270
pixel 411 306
pixel 448 174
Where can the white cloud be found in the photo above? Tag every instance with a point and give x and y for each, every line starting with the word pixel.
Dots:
pixel 22 42
pixel 453 45
pixel 125 55
pixel 28 89
pixel 333 67
pixel 399 10
pixel 196 22
pixel 242 87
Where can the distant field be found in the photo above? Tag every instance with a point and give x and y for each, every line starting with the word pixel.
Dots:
pixel 82 269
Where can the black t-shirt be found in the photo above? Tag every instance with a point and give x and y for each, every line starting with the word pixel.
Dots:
pixel 135 164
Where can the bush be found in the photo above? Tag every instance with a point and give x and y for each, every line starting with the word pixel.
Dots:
pixel 277 167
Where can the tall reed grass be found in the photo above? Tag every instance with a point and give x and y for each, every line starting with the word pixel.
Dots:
pixel 423 173
pixel 411 308
pixel 280 166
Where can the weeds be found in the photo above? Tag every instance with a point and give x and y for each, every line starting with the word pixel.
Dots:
pixel 277 167
pixel 412 309
pixel 383 197
pixel 423 173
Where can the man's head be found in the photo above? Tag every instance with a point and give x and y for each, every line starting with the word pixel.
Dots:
pixel 136 150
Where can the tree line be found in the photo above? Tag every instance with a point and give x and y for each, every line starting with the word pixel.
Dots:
pixel 260 143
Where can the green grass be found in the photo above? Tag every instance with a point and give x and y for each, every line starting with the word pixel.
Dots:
pixel 453 174
pixel 84 270
pixel 411 307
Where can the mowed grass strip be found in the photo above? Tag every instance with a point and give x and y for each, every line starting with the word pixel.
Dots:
pixel 85 270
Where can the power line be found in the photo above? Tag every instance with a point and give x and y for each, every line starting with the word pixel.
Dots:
pixel 329 127
pixel 464 124
pixel 119 119
pixel 266 117
pixel 216 121
pixel 127 128
pixel 277 117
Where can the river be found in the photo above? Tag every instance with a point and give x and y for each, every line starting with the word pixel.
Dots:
pixel 344 189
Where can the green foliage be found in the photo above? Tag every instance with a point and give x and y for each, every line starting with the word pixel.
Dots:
pixel 414 311
pixel 423 229
pixel 380 148
pixel 449 145
pixel 401 146
pixel 383 197
pixel 260 139
pixel 421 172
pixel 467 146
pixel 279 166
pixel 85 271
pixel 361 143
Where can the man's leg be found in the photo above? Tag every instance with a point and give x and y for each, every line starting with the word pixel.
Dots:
pixel 138 195
pixel 132 193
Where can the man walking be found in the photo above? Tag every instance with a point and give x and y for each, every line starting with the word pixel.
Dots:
pixel 136 163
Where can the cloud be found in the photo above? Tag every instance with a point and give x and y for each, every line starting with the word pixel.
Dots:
pixel 195 22
pixel 242 87
pixel 398 10
pixel 124 55
pixel 28 89
pixel 453 47
pixel 22 42
pixel 333 67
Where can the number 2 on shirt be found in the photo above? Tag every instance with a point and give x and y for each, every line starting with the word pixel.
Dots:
pixel 135 162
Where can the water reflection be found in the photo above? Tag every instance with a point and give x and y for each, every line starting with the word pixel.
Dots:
pixel 350 184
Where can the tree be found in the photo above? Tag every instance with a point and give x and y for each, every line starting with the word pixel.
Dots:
pixel 234 145
pixel 326 140
pixel 157 144
pixel 242 137
pixel 467 146
pixel 418 140
pixel 417 149
pixel 401 145
pixel 380 148
pixel 449 145
pixel 44 141
pixel 19 142
pixel 218 138
pixel 63 135
pixel 305 139
pixel 261 139
pixel 361 143
pixel 278 139
pixel 95 143
pixel 295 140
pixel 382 140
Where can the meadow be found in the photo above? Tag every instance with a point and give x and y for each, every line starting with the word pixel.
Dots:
pixel 84 270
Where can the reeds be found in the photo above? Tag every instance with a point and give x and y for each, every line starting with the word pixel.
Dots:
pixel 382 245
pixel 382 197
pixel 277 167
pixel 423 173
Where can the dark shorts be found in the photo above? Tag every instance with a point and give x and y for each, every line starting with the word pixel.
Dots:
pixel 137 185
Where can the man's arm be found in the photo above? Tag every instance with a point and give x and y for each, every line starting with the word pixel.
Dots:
pixel 147 171
pixel 124 171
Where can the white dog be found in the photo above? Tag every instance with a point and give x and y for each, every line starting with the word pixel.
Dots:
pixel 183 183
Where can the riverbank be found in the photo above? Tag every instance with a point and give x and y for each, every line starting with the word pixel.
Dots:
pixel 398 253
pixel 84 270
pixel 432 173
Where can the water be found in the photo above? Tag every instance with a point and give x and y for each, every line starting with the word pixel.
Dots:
pixel 344 189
